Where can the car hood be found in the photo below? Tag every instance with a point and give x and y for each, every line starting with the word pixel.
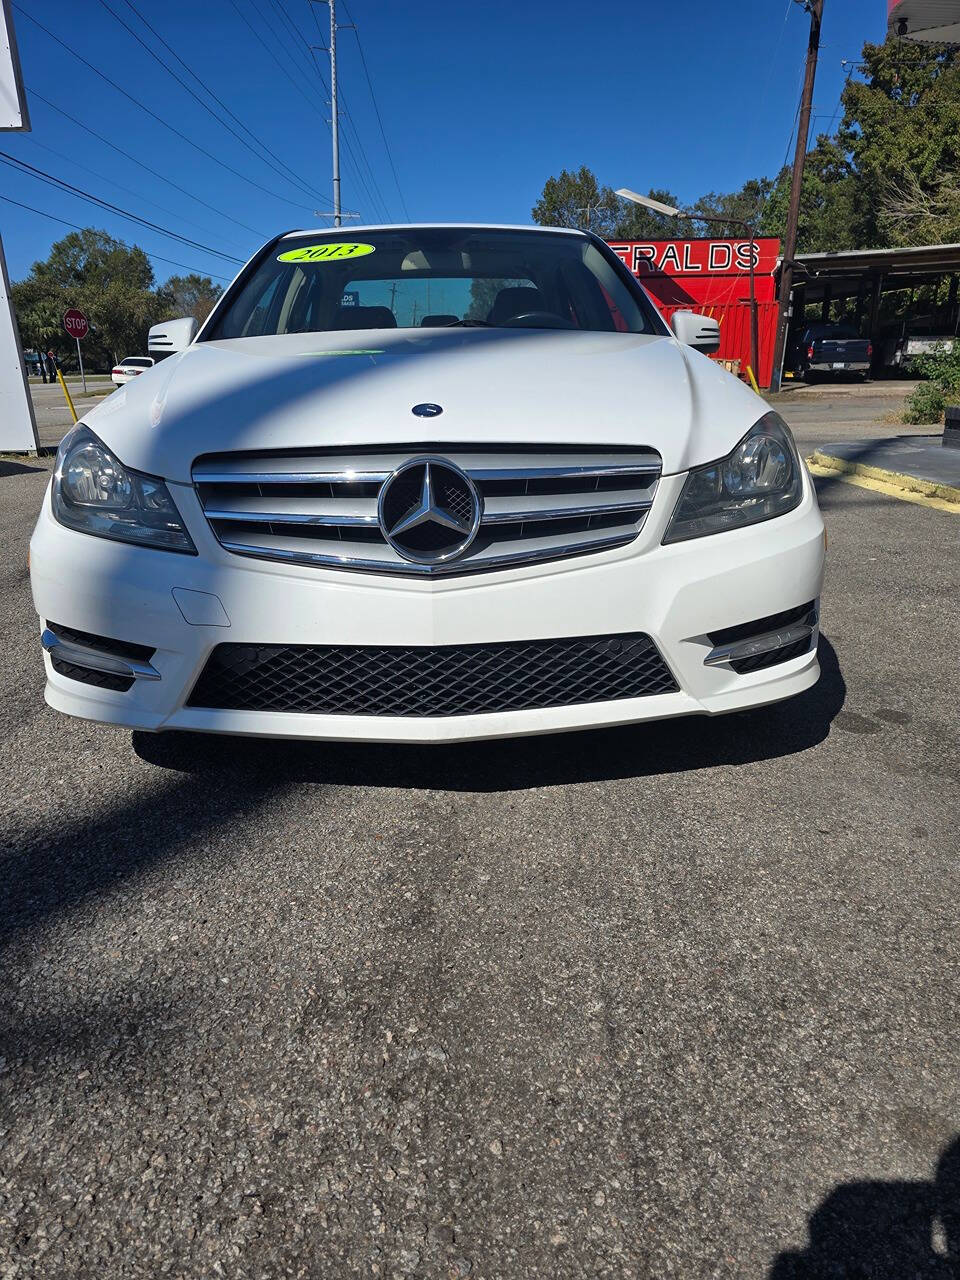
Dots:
pixel 510 386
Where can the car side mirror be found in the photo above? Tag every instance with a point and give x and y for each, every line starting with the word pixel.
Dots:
pixel 700 332
pixel 172 336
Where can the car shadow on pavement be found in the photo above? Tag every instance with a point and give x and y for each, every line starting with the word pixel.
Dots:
pixel 884 1230
pixel 51 868
pixel 512 764
pixel 10 468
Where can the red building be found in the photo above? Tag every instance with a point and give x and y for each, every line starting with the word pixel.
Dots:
pixel 713 277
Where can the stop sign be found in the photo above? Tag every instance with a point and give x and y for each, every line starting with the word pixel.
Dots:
pixel 75 323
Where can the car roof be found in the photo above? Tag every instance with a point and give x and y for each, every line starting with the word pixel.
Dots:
pixel 428 226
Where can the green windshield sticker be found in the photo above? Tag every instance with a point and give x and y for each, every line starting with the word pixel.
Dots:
pixel 353 351
pixel 326 252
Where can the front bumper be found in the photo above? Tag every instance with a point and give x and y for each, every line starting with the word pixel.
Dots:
pixel 183 606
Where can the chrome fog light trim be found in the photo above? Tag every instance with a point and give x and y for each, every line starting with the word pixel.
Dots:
pixel 96 659
pixel 769 642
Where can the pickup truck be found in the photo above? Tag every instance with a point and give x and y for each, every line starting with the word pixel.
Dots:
pixel 833 348
pixel 899 353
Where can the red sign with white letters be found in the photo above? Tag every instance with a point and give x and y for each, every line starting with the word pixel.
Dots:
pixel 75 323
pixel 712 271
pixel 713 278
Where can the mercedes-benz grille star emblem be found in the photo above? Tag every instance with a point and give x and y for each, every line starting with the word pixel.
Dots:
pixel 429 511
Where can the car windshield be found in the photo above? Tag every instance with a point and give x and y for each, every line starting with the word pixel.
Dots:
pixel 419 278
pixel 140 362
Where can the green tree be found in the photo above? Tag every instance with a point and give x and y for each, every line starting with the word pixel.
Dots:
pixel 577 200
pixel 191 295
pixel 39 315
pixel 109 281
pixel 483 294
pixel 901 130
pixel 745 205
pixel 829 201
pixel 889 176
pixel 636 222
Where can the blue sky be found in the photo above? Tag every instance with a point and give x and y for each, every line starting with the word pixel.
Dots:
pixel 480 104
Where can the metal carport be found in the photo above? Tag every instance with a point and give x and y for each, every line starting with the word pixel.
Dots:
pixel 855 282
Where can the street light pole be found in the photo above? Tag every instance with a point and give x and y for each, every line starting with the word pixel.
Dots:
pixel 754 327
pixel 673 212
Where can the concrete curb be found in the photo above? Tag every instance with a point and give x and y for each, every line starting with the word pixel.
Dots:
pixel 943 497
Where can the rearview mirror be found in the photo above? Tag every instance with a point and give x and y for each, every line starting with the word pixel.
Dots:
pixel 171 336
pixel 700 332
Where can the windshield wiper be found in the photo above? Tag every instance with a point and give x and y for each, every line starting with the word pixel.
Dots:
pixel 469 324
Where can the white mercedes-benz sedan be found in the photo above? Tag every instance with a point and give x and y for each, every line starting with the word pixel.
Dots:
pixel 421 484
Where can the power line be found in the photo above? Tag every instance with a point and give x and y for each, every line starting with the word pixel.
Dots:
pixel 137 103
pixel 373 99
pixel 303 48
pixel 306 51
pixel 64 223
pixel 51 180
pixel 348 117
pixel 133 159
pixel 257 36
pixel 843 89
pixel 378 204
pixel 103 178
pixel 289 176
pixel 757 110
pixel 375 202
pixel 312 102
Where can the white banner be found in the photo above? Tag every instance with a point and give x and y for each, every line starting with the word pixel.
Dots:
pixel 13 102
pixel 18 426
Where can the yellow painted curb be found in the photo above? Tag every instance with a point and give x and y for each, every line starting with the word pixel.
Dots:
pixel 894 484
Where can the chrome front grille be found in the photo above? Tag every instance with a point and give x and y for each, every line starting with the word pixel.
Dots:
pixel 321 508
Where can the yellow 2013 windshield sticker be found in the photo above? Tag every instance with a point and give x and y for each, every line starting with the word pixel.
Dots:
pixel 326 252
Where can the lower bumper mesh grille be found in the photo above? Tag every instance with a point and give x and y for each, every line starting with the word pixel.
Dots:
pixel 99 679
pixel 449 680
pixel 760 662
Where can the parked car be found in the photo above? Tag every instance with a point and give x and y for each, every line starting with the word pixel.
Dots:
pixel 831 349
pixel 542 510
pixel 131 368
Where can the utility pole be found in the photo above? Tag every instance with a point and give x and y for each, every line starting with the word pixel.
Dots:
pixel 815 9
pixel 335 121
pixel 338 215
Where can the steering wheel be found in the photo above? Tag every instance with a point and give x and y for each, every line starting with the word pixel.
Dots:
pixel 538 320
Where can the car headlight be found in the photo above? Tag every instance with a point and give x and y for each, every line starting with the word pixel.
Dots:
pixel 760 479
pixel 93 492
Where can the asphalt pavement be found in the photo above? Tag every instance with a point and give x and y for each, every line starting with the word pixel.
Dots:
pixel 669 1001
pixel 50 408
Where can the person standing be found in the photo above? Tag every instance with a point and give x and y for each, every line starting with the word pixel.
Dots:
pixel 43 365
pixel 51 363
